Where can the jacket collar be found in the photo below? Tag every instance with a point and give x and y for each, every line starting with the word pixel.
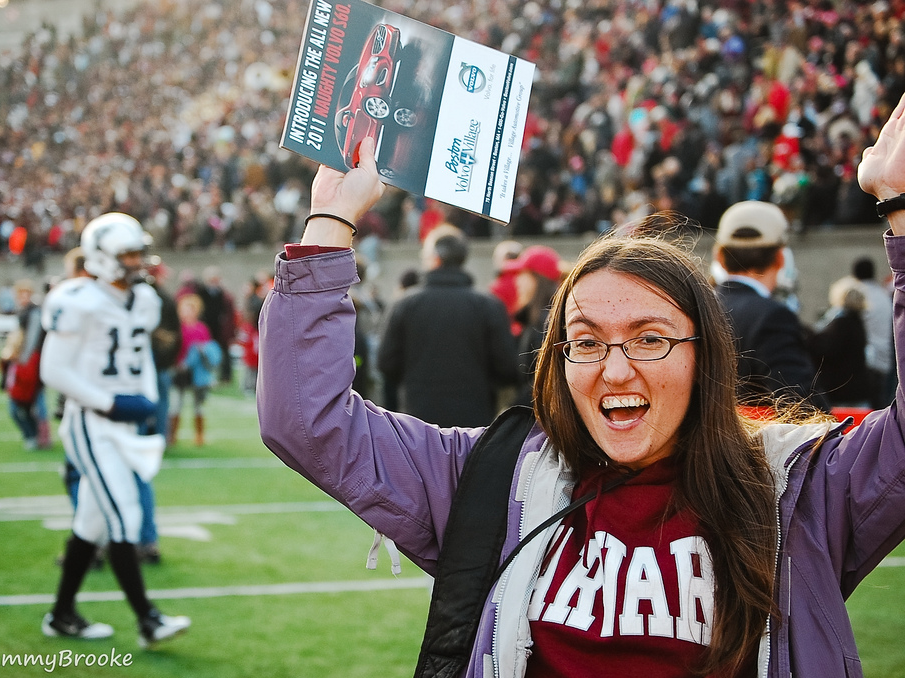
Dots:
pixel 448 277
pixel 746 284
pixel 783 441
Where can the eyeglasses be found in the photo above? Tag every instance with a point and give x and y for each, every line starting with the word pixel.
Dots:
pixel 640 348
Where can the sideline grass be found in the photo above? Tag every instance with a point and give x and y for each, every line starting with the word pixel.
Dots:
pixel 289 635
pixel 312 635
pixel 304 636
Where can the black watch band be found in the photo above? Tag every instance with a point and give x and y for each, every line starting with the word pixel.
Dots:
pixel 885 207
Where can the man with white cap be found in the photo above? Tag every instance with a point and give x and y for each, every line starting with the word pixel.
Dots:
pixel 773 360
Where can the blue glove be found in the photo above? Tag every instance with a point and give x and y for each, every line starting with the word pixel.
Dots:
pixel 134 408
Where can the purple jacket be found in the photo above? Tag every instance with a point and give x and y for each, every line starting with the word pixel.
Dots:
pixel 841 508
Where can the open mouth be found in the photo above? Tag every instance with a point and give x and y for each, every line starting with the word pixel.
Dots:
pixel 624 408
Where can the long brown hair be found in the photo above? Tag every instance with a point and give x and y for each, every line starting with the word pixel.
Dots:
pixel 724 478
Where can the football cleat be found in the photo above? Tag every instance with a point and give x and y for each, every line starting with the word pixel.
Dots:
pixel 157 627
pixel 74 626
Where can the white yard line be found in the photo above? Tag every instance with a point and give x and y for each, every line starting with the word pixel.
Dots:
pixel 892 561
pixel 223 591
pixel 268 589
pixel 13 509
pixel 195 463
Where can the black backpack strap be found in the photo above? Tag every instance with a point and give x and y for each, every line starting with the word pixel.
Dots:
pixel 559 515
pixel 472 543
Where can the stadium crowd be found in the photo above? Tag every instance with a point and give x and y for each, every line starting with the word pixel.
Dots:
pixel 172 112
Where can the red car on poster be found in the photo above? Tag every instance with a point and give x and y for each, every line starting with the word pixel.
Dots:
pixel 369 91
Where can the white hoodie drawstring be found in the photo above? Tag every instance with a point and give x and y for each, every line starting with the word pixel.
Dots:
pixel 396 565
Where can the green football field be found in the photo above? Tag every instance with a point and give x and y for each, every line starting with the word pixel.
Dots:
pixel 271 571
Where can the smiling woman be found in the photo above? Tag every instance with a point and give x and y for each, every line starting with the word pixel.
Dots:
pixel 635 413
pixel 632 408
pixel 622 290
pixel 697 531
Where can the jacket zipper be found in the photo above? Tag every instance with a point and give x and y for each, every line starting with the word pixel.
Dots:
pixel 504 577
pixel 787 471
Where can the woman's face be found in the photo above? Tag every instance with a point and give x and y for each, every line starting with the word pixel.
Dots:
pixel 632 409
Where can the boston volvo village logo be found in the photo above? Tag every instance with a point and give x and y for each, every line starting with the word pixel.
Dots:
pixel 462 156
pixel 472 78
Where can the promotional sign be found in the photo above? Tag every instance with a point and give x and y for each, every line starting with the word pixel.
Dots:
pixel 447 114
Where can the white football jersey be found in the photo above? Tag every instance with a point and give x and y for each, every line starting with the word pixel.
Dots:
pixel 99 341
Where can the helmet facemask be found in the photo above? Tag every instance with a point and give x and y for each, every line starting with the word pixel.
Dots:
pixel 133 273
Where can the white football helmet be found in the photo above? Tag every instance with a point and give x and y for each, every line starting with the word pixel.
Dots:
pixel 108 237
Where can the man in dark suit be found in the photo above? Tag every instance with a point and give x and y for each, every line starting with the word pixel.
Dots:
pixel 773 360
pixel 446 345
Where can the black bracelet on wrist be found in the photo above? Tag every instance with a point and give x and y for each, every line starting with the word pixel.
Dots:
pixel 885 207
pixel 335 218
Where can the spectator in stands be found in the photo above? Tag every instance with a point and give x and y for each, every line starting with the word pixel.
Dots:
pixel 21 357
pixel 166 341
pixel 197 364
pixel 247 336
pixel 408 281
pixel 369 308
pixel 877 317
pixel 503 284
pixel 448 346
pixel 772 357
pixel 538 271
pixel 219 314
pixel 616 96
pixel 837 347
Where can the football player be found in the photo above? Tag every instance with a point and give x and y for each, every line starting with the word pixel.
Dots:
pixel 98 355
